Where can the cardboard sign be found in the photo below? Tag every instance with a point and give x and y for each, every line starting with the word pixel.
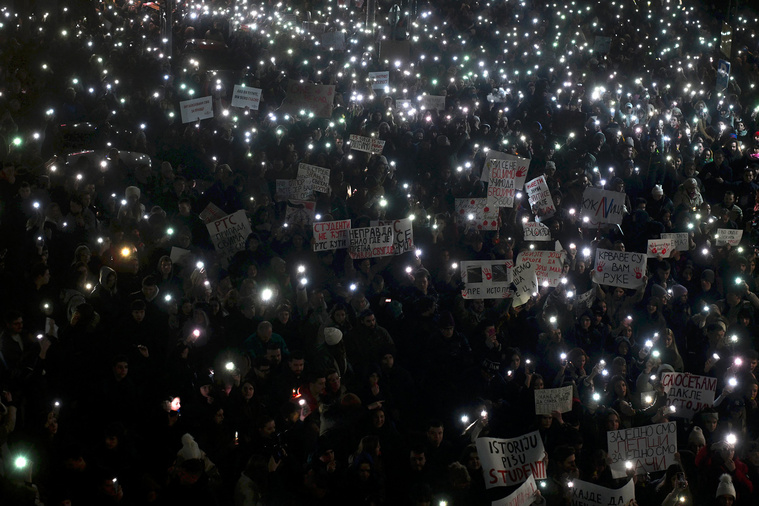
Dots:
pixel 688 393
pixel 229 234
pixel 287 189
pixel 506 176
pixel 548 400
pixel 366 144
pixel 656 247
pixel 729 236
pixel 602 206
pixel 486 279
pixel 369 242
pixel 477 213
pixel 525 281
pixel 334 40
pixel 432 103
pixel 585 301
pixel 679 240
pixel 300 212
pixel 403 233
pixel 547 265
pixel 196 109
pixel 330 235
pixel 650 448
pixel 619 268
pixel 380 80
pixel 243 96
pixel 319 176
pixel 508 462
pixel 534 231
pixel 308 97
pixel 523 496
pixel 540 198
pixel 590 494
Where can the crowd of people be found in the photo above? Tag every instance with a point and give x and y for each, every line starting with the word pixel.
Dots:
pixel 141 365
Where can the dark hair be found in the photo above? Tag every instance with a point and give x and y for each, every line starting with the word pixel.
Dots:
pixel 297 355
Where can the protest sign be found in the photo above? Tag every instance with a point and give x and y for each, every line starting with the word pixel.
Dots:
pixel 334 40
pixel 540 198
pixel 313 27
pixel 723 75
pixel 650 448
pixel 286 189
pixel 585 301
pixel 244 96
pixel 547 265
pixel 602 206
pixel 369 242
pixel 432 103
pixel 486 279
pixel 729 236
pixel 477 213
pixel 525 281
pixel 229 234
pixel 534 231
pixel 548 400
pixel 656 247
pixel 196 109
pixel 211 212
pixel 319 177
pixel 403 234
pixel 508 462
pixel 403 105
pixel 300 212
pixel 688 393
pixel 331 235
pixel 590 494
pixel 490 155
pixel 619 268
pixel 308 98
pixel 366 144
pixel 380 80
pixel 179 254
pixel 506 176
pixel 679 240
pixel 523 496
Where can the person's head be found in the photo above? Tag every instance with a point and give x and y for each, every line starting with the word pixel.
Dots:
pixel 264 331
pixel 261 368
pixel 564 456
pixel 247 390
pixel 417 459
pixel 619 386
pixel 120 367
pixel 317 384
pixel 471 459
pixel 266 426
pixel 368 319
pixel 725 491
pixel 149 287
pixel 297 363
pixel 273 354
pixel 612 420
pixel 435 433
pixel 138 310
pixel 378 418
pixel 14 322
pixel 709 420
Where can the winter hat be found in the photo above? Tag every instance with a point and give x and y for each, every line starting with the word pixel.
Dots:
pixel 664 368
pixel 657 190
pixel 696 437
pixel 132 191
pixel 190 449
pixel 709 416
pixel 332 336
pixel 446 320
pixel 658 291
pixel 708 276
pixel 678 291
pixel 725 486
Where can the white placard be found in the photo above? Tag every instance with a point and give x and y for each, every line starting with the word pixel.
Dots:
pixel 366 144
pixel 490 155
pixel 602 206
pixel 330 235
pixel 432 102
pixel 403 233
pixel 679 240
pixel 476 213
pixel 298 189
pixel 196 109
pixel 229 234
pixel 507 462
pixel 523 496
pixel 548 400
pixel 534 231
pixel 369 242
pixel 619 268
pixel 380 80
pixel 688 393
pixel 548 265
pixel 729 236
pixel 656 247
pixel 506 176
pixel 319 176
pixel 540 198
pixel 525 281
pixel 244 96
pixel 486 279
pixel 590 494
pixel 650 448
pixel 300 212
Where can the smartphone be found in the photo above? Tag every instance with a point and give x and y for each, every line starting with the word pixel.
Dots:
pixel 681 482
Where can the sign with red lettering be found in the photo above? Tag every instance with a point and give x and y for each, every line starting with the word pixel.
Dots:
pixel 540 198
pixel 331 234
pixel 245 96
pixel 688 393
pixel 369 242
pixel 506 177
pixel 366 144
pixel 403 231
pixel 590 494
pixel 380 80
pixel 307 98
pixel 507 462
pixel 649 448
pixel 548 265
pixel 229 234
pixel 196 109
pixel 523 496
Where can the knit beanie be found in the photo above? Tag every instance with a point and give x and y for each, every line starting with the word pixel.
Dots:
pixel 696 437
pixel 725 486
pixel 190 449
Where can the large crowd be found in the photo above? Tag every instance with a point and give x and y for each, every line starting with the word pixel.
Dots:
pixel 139 364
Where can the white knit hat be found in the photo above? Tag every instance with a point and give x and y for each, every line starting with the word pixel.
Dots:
pixel 332 335
pixel 190 449
pixel 725 486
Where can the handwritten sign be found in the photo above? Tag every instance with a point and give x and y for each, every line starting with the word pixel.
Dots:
pixel 590 494
pixel 534 231
pixel 729 236
pixel 299 189
pixel 602 207
pixel 319 176
pixel 403 234
pixel 330 235
pixel 196 109
pixel 525 281
pixel 491 154
pixel 523 496
pixel 688 393
pixel 508 462
pixel 229 234
pixel 476 213
pixel 366 144
pixel 650 448
pixel 679 240
pixel 432 103
pixel 619 268
pixel 585 301
pixel 548 400
pixel 656 247
pixel 486 279
pixel 548 265
pixel 540 198
pixel 505 177
pixel 379 80
pixel 368 242
pixel 300 212
pixel 244 96
pixel 308 98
